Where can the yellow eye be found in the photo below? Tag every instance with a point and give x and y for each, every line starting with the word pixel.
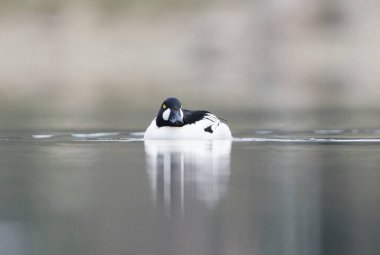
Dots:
pixel 164 106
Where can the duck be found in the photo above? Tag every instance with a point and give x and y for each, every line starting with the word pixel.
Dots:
pixel 175 123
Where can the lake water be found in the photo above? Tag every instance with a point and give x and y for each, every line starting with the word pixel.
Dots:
pixel 266 192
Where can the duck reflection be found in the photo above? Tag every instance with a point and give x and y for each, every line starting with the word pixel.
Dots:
pixel 184 172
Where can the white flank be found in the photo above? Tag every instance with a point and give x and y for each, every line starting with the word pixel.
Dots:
pixel 194 131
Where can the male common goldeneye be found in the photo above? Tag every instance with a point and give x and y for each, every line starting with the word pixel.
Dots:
pixel 173 122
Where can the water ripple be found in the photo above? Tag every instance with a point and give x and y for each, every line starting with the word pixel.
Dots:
pixel 308 140
pixel 321 136
pixel 95 135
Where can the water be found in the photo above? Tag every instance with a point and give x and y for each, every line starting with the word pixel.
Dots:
pixel 266 192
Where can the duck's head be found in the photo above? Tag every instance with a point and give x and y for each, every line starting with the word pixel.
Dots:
pixel 170 113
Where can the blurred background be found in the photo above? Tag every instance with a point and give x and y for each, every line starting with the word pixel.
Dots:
pixel 110 63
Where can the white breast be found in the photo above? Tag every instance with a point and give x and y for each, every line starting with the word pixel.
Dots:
pixel 194 131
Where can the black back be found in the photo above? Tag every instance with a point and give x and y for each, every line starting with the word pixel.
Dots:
pixel 190 117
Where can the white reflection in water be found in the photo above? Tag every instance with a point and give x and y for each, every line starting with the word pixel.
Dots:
pixel 181 172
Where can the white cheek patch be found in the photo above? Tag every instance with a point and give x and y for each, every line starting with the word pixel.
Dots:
pixel 166 114
pixel 181 113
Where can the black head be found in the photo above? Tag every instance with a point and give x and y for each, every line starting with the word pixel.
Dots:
pixel 170 113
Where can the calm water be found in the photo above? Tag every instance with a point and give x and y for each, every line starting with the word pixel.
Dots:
pixel 266 192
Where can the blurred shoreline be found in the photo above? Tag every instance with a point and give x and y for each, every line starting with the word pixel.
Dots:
pixel 93 62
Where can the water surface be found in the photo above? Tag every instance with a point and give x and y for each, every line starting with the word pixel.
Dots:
pixel 265 192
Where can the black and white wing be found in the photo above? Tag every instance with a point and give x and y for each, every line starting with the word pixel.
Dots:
pixel 206 120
